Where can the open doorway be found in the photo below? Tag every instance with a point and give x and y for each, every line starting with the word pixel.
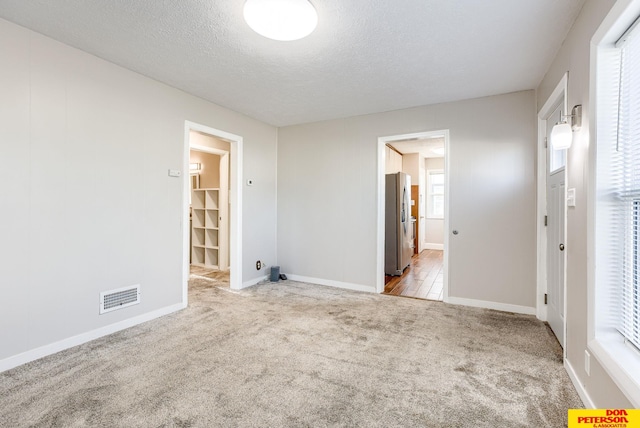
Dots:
pixel 209 207
pixel 423 158
pixel 213 212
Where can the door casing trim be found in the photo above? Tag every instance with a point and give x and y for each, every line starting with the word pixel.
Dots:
pixel 235 202
pixel 559 94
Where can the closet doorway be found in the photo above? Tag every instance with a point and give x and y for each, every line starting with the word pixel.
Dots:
pixel 209 205
pixel 212 206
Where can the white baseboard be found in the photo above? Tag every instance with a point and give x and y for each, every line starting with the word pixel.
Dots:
pixel 505 307
pixel 254 281
pixel 43 351
pixel 331 283
pixel 584 396
pixel 432 246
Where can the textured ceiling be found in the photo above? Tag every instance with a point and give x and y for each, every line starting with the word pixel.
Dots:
pixel 365 56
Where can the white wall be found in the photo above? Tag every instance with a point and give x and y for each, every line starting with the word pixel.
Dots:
pixel 199 139
pixel 434 227
pixel 574 56
pixel 393 161
pixel 411 166
pixel 327 196
pixel 86 201
pixel 210 168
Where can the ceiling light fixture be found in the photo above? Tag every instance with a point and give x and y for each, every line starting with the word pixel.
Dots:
pixel 562 132
pixel 282 20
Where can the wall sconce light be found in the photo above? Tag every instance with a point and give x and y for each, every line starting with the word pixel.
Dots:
pixel 195 167
pixel 562 132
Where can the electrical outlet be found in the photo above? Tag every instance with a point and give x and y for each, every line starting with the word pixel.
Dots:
pixel 258 265
pixel 587 362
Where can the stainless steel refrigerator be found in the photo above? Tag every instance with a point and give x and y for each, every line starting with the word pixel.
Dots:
pixel 398 227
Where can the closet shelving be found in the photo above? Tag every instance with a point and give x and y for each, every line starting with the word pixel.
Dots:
pixel 205 216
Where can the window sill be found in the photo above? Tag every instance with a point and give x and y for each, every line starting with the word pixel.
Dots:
pixel 620 361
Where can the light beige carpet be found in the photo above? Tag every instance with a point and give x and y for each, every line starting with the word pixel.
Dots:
pixel 300 355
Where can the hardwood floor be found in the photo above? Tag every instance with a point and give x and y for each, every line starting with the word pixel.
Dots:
pixel 423 279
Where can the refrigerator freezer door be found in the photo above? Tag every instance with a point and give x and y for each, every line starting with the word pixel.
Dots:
pixel 392 219
pixel 406 237
pixel 398 227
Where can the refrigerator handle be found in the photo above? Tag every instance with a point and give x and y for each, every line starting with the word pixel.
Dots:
pixel 402 212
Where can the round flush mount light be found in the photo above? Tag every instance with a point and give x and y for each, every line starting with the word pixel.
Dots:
pixel 282 20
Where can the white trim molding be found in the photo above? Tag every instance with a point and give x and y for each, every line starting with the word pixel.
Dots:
pixel 584 395
pixel 432 246
pixel 620 362
pixel 497 306
pixel 46 350
pixel 559 95
pixel 253 282
pixel 331 283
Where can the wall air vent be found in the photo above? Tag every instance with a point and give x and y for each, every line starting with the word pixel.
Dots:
pixel 119 298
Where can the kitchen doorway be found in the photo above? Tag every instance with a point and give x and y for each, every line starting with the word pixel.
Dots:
pixel 213 202
pixel 423 157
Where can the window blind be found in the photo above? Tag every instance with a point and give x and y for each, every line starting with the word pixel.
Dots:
pixel 624 174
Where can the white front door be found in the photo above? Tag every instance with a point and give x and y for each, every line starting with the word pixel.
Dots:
pixel 556 212
pixel 555 252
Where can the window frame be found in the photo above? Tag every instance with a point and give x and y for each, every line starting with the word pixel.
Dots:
pixel 430 205
pixel 620 360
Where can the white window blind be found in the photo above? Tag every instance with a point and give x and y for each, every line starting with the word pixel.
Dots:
pixel 624 179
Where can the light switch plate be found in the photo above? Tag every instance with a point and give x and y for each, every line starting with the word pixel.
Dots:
pixel 174 173
pixel 571 197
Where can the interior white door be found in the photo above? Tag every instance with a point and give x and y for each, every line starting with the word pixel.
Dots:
pixel 556 213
